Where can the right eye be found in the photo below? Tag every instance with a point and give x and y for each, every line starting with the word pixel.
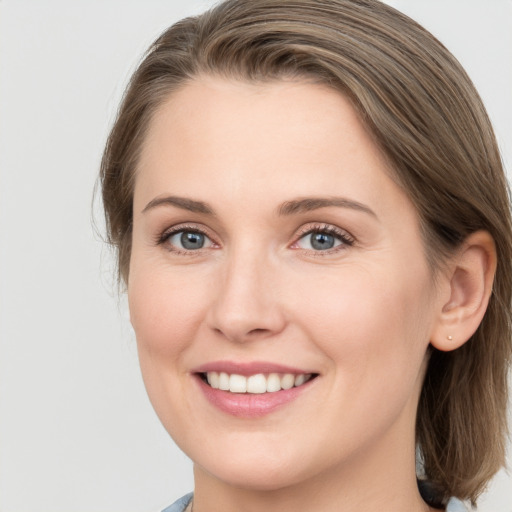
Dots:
pixel 187 240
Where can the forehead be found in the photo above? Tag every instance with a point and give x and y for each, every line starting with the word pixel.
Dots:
pixel 236 139
pixel 210 110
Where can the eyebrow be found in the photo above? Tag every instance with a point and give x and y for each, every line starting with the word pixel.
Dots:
pixel 308 204
pixel 295 206
pixel 180 202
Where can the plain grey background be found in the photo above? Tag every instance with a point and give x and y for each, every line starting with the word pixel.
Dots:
pixel 77 432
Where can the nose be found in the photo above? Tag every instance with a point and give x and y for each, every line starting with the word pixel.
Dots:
pixel 246 304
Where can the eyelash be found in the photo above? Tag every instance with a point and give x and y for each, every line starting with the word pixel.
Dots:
pixel 346 239
pixel 182 228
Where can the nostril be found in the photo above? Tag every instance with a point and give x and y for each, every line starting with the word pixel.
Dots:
pixel 258 331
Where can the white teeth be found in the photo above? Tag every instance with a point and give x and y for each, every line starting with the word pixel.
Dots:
pixel 255 384
pixel 237 383
pixel 299 380
pixel 213 379
pixel 287 381
pixel 273 383
pixel 223 381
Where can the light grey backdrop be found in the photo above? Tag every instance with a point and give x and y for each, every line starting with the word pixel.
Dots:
pixel 77 432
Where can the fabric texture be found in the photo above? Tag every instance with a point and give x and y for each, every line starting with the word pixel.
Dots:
pixel 454 505
pixel 181 504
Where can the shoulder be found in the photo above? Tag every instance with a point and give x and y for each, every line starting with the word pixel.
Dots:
pixel 181 504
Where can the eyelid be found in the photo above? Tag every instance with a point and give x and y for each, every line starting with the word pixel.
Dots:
pixel 347 240
pixel 163 237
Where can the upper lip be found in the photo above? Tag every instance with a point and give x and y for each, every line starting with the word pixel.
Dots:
pixel 248 368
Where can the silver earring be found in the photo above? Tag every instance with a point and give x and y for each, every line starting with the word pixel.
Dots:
pixel 450 338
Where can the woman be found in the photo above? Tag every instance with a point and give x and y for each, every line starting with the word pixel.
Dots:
pixel 313 225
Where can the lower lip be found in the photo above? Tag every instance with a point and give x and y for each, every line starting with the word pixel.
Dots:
pixel 250 405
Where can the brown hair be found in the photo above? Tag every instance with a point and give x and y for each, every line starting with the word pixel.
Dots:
pixel 428 119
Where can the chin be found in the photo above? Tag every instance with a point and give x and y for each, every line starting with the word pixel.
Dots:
pixel 257 473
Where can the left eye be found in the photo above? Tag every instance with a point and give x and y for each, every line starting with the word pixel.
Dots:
pixel 319 241
pixel 189 240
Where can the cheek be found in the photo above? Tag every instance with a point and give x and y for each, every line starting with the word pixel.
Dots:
pixel 373 325
pixel 375 332
pixel 165 310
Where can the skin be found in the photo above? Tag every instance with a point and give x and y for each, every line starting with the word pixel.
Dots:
pixel 360 315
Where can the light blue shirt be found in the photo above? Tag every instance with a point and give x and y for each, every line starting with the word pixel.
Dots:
pixel 181 504
pixel 454 505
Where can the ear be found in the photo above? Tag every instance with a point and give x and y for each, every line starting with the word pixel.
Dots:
pixel 468 286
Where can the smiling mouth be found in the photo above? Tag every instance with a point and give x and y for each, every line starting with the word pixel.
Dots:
pixel 256 384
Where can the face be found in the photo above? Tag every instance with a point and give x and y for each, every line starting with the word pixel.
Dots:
pixel 274 257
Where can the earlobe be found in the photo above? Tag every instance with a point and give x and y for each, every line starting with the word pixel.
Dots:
pixel 469 281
